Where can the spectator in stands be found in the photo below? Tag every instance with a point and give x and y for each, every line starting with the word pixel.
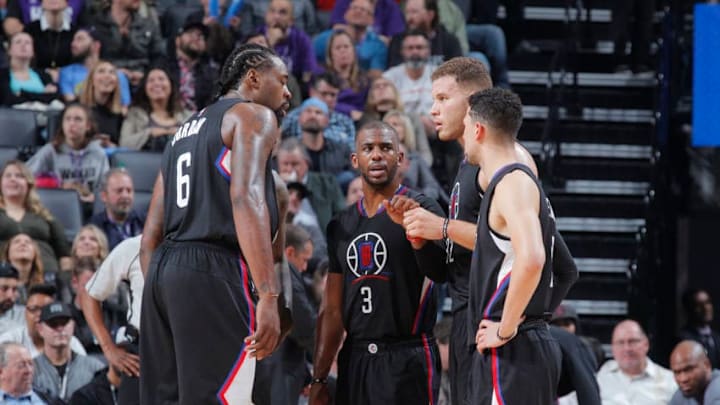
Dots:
pixel 131 42
pixel 632 378
pixel 566 317
pixel 485 36
pixel 156 114
pixel 21 13
pixel 101 390
pixel 341 59
pixel 20 83
pixel 280 378
pixel 370 49
pixel 23 254
pixel 326 87
pixel 27 335
pixel 77 162
pixel 412 137
pixel 354 191
pixel 22 212
pixel 90 243
pixel 122 266
pixel 326 198
pixel 16 376
pixel 412 77
pixel 85 267
pixel 101 93
pixel 52 35
pixel 254 13
pixel 699 313
pixel 190 66
pixel 11 314
pixel 388 18
pixel 697 382
pixel 326 155
pixel 453 19
pixel 119 221
pixel 290 42
pixel 59 373
pixel 85 49
pixel 423 15
pixel 221 38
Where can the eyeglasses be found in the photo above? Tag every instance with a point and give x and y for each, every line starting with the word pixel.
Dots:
pixel 627 342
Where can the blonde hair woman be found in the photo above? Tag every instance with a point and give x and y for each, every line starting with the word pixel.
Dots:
pixel 101 93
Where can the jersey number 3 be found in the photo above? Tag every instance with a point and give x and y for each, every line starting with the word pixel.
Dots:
pixel 183 180
pixel 366 293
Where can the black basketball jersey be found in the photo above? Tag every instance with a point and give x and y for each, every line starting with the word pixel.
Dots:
pixel 465 200
pixel 196 171
pixel 493 258
pixel 386 294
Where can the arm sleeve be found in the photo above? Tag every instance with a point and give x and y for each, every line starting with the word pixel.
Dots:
pixel 134 132
pixel 41 161
pixel 64 82
pixel 565 271
pixel 379 58
pixel 107 278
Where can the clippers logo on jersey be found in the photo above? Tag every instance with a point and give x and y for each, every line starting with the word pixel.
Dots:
pixel 453 211
pixel 367 254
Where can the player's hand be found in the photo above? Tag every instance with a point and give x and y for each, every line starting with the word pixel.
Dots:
pixel 127 363
pixel 486 336
pixel 319 394
pixel 421 223
pixel 397 206
pixel 263 342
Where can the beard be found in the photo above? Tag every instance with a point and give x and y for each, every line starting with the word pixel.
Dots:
pixel 6 305
pixel 80 57
pixel 416 62
pixel 312 126
pixel 190 51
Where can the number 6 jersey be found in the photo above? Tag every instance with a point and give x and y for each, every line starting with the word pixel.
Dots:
pixel 386 294
pixel 196 175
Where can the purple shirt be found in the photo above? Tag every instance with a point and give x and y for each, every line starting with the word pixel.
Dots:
pixel 349 99
pixel 297 53
pixel 389 19
pixel 31 10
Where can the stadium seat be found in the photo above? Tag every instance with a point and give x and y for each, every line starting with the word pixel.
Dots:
pixel 19 127
pixel 142 166
pixel 7 153
pixel 65 206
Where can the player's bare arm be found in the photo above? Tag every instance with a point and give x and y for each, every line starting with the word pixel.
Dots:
pixel 127 363
pixel 251 131
pixel 153 230
pixel 329 337
pixel 514 213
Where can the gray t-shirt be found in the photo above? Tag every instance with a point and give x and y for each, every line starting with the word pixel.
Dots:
pixel 711 397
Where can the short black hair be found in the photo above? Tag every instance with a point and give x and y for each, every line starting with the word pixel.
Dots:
pixel 240 61
pixel 379 126
pixel 415 33
pixel 42 289
pixel 328 77
pixel 498 108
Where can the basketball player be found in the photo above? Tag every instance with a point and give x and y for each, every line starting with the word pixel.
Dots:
pixel 379 291
pixel 213 233
pixel 452 83
pixel 511 271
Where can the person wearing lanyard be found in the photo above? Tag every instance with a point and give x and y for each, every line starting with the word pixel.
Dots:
pixel 59 371
pixel 119 220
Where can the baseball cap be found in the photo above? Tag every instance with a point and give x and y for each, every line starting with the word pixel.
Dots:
pixel 563 312
pixel 55 310
pixel 8 271
pixel 194 23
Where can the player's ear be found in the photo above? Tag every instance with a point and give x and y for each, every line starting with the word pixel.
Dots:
pixel 400 155
pixel 480 131
pixel 253 78
pixel 354 160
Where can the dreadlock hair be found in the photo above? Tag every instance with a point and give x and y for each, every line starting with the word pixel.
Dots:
pixel 240 61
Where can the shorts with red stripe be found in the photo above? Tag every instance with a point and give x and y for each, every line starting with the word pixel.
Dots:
pixel 377 372
pixel 197 310
pixel 524 371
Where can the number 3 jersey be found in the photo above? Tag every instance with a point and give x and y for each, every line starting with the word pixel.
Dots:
pixel 196 174
pixel 386 294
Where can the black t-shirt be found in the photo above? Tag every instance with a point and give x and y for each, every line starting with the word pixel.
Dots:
pixel 196 172
pixel 493 258
pixel 386 294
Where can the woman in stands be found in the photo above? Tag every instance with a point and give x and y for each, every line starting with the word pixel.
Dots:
pixel 155 115
pixel 101 93
pixel 71 157
pixel 90 242
pixel 341 58
pixel 24 254
pixel 22 212
pixel 19 83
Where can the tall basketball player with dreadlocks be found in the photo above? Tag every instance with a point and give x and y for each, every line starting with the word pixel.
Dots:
pixel 210 304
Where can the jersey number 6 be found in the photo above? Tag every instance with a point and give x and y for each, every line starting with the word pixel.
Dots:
pixel 183 180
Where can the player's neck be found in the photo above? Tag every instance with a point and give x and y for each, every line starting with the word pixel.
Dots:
pixel 497 156
pixel 373 198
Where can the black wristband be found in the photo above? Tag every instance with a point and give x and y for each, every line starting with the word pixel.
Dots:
pixel 322 381
pixel 445 228
pixel 505 339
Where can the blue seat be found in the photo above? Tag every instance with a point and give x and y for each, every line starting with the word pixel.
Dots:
pixel 7 153
pixel 17 127
pixel 65 206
